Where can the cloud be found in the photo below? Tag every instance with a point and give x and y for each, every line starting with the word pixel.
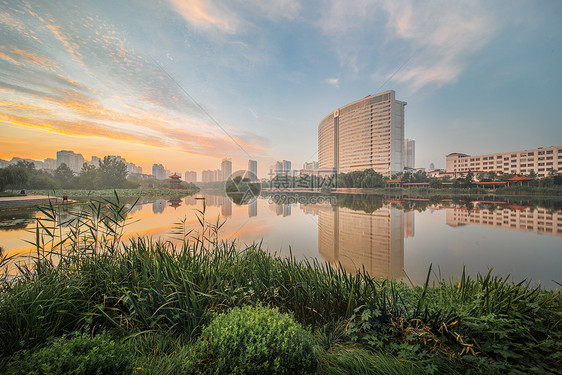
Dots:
pixel 78 75
pixel 204 14
pixel 229 18
pixel 334 82
pixel 444 34
pixel 417 43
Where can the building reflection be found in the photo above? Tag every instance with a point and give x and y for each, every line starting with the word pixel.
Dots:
pixel 253 208
pixel 283 210
pixel 226 206
pixel 358 239
pixel 516 217
pixel 158 206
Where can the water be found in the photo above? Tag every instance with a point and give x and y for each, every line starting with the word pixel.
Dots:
pixel 390 238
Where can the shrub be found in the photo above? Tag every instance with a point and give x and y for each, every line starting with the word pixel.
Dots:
pixel 78 355
pixel 254 340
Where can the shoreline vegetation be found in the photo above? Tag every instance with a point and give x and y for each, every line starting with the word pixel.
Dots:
pixel 147 307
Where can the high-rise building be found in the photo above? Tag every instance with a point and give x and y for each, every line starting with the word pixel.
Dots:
pixel 159 172
pixel 226 169
pixel 409 154
pixel 253 168
pixel 539 160
pixel 286 167
pixel 95 161
pixel 310 165
pixel 191 176
pixel 368 133
pixel 278 169
pixel 49 164
pixel 72 160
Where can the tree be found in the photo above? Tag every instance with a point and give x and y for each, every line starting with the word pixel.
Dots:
pixel 87 178
pixel 532 174
pixel 468 179
pixel 64 175
pixel 112 173
pixel 13 176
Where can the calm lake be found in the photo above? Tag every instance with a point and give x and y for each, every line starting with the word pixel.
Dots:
pixel 390 237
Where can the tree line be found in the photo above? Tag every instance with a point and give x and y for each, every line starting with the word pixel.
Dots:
pixel 109 174
pixel 368 178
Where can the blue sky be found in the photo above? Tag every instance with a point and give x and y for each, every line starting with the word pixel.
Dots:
pixel 97 77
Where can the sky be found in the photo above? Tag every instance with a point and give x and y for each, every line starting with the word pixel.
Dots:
pixel 187 83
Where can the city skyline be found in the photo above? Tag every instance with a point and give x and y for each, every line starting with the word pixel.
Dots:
pixel 103 78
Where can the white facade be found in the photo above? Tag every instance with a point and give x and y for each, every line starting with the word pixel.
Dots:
pixel 539 160
pixel 190 176
pixel 368 133
pixel 72 160
pixel 226 169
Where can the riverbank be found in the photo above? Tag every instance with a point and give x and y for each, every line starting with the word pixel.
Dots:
pixel 21 201
pixel 155 299
pixel 81 194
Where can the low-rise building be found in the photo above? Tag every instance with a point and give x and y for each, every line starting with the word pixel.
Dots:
pixel 540 161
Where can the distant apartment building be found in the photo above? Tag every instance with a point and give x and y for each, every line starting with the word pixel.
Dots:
pixel 226 169
pixel 310 165
pixel 159 172
pixel 133 168
pixel 282 168
pixel 95 161
pixel 539 160
pixel 368 133
pixel 211 176
pixel 49 164
pixel 36 163
pixel 72 160
pixel 253 168
pixel 409 154
pixel 190 176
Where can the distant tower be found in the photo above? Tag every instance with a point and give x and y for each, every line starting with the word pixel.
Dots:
pixel 431 166
pixel 253 168
pixel 409 153
pixel 226 169
pixel 286 167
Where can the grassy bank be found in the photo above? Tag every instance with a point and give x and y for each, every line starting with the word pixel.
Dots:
pixel 154 300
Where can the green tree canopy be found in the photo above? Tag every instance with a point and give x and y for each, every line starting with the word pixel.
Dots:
pixel 112 173
pixel 64 175
pixel 13 176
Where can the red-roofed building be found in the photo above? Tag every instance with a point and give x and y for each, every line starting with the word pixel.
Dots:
pixel 518 179
pixel 175 181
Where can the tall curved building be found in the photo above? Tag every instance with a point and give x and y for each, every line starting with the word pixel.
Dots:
pixel 368 133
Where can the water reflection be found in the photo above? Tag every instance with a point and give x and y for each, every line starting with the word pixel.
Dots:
pixel 158 206
pixel 388 236
pixel 521 218
pixel 373 241
pixel 253 208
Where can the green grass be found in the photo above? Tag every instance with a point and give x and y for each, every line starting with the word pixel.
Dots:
pixel 160 297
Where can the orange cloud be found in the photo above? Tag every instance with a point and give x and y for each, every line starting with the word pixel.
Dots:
pixel 70 47
pixel 202 13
